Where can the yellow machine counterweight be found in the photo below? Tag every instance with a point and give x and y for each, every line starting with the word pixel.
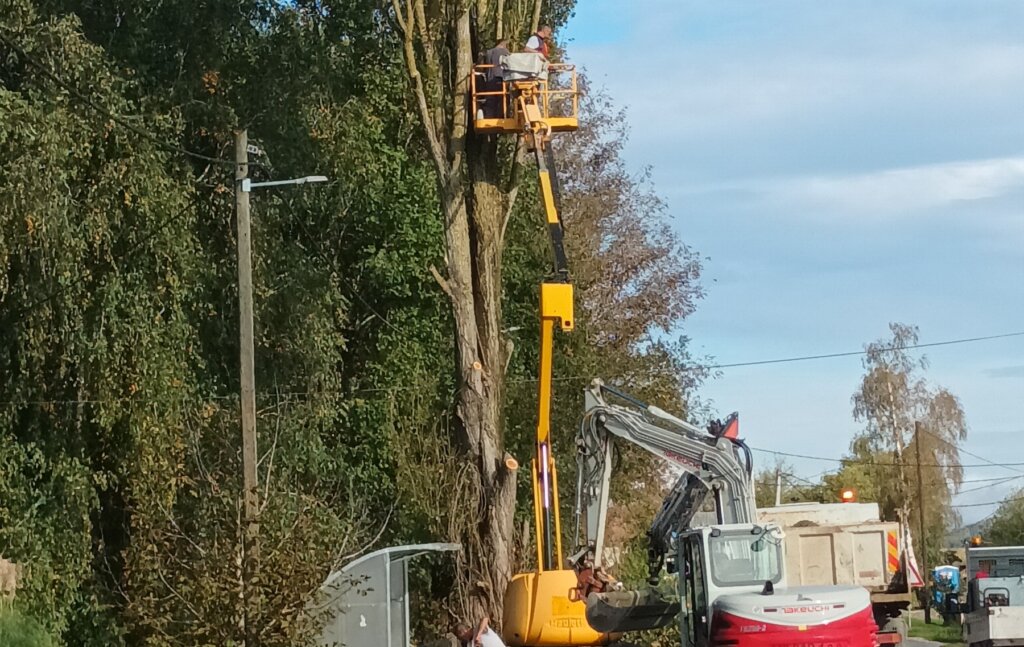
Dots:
pixel 541 608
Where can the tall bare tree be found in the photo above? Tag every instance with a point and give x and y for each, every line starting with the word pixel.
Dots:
pixel 477 179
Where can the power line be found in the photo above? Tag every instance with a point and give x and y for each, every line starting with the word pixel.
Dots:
pixel 979 505
pixel 981 521
pixel 119 119
pixel 788 475
pixel 849 461
pixel 295 395
pixel 993 479
pixel 815 480
pixel 1006 479
pixel 959 449
pixel 806 358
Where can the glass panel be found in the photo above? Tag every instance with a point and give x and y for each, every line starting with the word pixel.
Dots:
pixel 687 574
pixel 745 558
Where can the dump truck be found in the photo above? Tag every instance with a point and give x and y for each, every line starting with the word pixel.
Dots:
pixel 846 543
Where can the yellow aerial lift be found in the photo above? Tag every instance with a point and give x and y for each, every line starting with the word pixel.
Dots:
pixel 534 100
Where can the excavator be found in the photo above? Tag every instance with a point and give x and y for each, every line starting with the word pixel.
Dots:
pixel 729 567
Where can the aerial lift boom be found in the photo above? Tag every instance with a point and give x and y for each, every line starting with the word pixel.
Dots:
pixel 539 610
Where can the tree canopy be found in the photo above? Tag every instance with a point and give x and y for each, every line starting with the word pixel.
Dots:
pixel 1006 526
pixel 119 443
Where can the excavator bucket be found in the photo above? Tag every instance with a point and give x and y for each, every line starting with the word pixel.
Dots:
pixel 622 611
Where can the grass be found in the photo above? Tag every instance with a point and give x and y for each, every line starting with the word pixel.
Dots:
pixel 937 631
pixel 17 630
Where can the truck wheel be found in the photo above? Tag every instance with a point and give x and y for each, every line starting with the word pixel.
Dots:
pixel 897 626
pixel 901 629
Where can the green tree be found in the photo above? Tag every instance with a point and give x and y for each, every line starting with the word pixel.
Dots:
pixel 17 630
pixel 95 238
pixel 477 185
pixel 1006 528
pixel 892 398
pixel 118 316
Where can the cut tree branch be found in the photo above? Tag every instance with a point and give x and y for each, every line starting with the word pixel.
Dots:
pixel 442 282
pixel 376 538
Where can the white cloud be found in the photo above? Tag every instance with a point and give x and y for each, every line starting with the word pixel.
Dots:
pixel 904 190
pixel 692 94
pixel 896 191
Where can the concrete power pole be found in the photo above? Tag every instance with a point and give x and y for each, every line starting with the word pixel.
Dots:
pixel 925 602
pixel 251 531
pixel 778 487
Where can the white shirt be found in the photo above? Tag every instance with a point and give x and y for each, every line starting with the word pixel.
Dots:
pixel 534 42
pixel 490 639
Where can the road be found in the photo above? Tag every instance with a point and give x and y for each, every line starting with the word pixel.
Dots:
pixel 921 642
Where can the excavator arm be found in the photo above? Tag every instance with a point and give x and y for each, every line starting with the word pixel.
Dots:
pixel 715 464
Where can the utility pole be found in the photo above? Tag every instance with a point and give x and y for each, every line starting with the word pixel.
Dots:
pixel 778 487
pixel 925 602
pixel 251 530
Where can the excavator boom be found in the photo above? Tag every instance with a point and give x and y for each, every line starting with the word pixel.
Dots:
pixel 715 465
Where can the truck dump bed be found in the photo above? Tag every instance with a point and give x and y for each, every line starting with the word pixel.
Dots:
pixel 851 547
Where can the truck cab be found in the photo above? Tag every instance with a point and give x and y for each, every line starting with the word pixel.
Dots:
pixel 994 612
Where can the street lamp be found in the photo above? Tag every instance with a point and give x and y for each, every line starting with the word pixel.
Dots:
pixel 250 542
pixel 248 185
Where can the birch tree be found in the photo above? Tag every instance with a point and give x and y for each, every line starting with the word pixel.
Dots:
pixel 892 397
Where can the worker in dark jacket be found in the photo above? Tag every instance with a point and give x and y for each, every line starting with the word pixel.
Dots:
pixel 493 80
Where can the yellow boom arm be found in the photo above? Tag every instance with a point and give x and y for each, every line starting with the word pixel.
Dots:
pixel 541 607
pixel 556 307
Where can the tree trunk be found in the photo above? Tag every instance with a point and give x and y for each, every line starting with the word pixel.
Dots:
pixel 475 207
pixel 498 483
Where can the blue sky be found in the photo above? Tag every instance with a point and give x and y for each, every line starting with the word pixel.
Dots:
pixel 842 165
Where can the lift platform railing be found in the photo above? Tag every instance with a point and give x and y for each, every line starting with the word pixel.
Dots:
pixel 497 109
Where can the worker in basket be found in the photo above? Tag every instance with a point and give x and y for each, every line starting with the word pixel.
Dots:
pixel 538 42
pixel 492 81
